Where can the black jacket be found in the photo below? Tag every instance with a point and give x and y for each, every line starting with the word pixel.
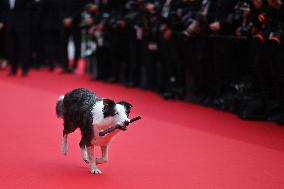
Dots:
pixel 50 15
pixel 220 10
pixel 17 19
pixel 72 9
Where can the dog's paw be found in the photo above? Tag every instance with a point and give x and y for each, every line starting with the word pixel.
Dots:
pixel 96 171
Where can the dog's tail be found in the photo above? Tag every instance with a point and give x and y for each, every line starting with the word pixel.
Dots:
pixel 59 106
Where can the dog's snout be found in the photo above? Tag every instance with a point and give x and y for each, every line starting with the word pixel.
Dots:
pixel 126 122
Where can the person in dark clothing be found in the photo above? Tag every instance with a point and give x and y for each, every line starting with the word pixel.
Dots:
pixel 97 23
pixel 71 18
pixel 216 28
pixel 15 20
pixel 118 43
pixel 134 19
pixel 219 16
pixel 175 15
pixel 151 78
pixel 50 27
pixel 3 61
pixel 274 65
pixel 36 37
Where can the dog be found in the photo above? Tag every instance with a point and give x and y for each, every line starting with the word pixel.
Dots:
pixel 82 109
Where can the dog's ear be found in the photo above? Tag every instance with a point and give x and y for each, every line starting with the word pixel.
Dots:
pixel 109 107
pixel 127 106
pixel 108 102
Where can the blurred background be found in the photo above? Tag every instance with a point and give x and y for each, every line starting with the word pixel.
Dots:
pixel 225 54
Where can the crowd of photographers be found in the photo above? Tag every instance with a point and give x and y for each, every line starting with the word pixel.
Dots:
pixel 226 54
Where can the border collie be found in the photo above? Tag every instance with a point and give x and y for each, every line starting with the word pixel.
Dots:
pixel 82 109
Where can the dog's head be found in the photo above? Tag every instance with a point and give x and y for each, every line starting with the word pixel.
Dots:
pixel 122 111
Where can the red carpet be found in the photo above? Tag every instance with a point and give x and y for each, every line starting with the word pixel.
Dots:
pixel 175 145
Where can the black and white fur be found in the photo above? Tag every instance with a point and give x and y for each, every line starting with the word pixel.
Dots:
pixel 82 109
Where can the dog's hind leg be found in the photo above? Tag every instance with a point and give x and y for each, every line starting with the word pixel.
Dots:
pixel 87 133
pixel 69 127
pixel 84 152
pixel 64 147
pixel 92 160
pixel 104 157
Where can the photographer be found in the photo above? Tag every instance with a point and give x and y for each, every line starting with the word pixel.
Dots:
pixel 96 23
pixel 262 96
pixel 274 57
pixel 118 43
pixel 105 21
pixel 134 20
pixel 3 61
pixel 71 18
pixel 213 27
pixel 175 16
pixel 151 77
pixel 15 20
pixel 50 28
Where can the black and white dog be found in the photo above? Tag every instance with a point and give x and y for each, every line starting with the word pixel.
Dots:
pixel 82 109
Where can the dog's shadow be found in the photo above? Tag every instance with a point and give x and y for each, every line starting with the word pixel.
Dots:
pixel 59 168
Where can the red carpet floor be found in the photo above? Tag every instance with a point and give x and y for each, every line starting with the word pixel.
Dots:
pixel 175 145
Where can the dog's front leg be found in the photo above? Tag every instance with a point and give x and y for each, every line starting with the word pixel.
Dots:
pixel 104 157
pixel 64 148
pixel 92 160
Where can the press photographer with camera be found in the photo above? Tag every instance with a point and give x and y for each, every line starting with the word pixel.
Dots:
pixel 175 56
pixel 261 95
pixel 151 48
pixel 49 25
pixel 96 29
pixel 269 22
pixel 105 21
pixel 119 44
pixel 272 66
pixel 276 13
pixel 71 18
pixel 134 17
pixel 213 27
